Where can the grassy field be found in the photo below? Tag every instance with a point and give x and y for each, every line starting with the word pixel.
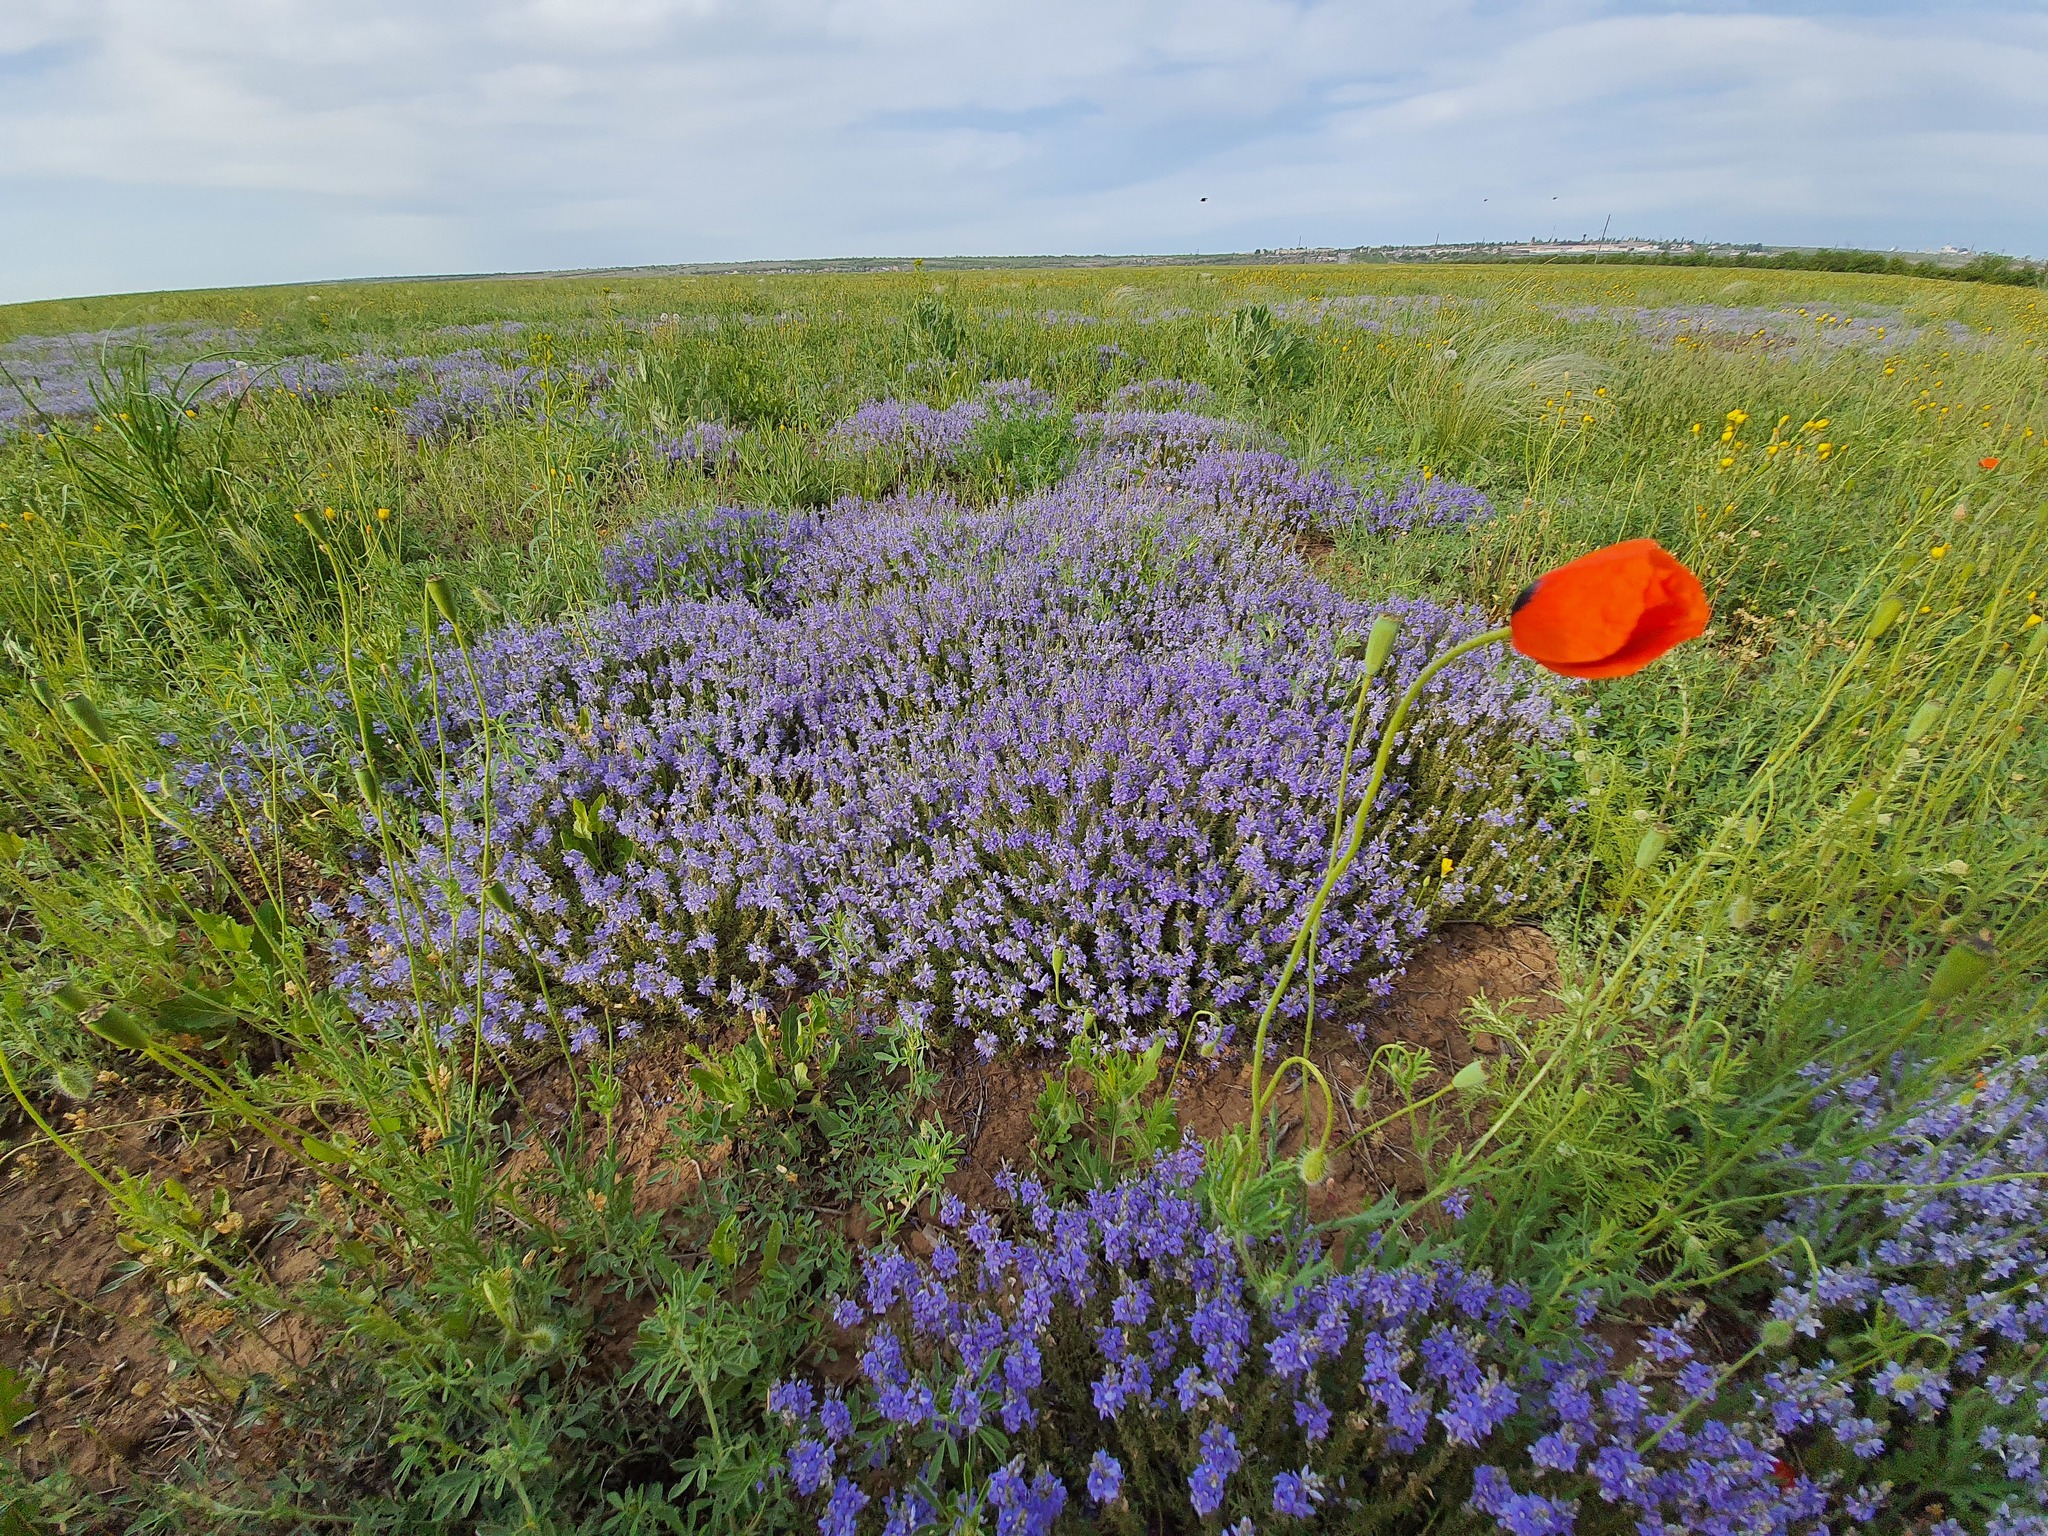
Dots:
pixel 642 905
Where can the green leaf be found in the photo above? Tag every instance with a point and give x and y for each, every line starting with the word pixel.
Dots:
pixel 14 1401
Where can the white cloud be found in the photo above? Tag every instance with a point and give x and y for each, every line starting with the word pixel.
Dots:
pixel 167 142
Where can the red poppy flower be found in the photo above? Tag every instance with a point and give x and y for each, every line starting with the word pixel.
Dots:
pixel 1609 613
pixel 1990 463
pixel 1785 1473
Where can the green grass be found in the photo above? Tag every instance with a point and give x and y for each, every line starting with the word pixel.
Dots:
pixel 1823 833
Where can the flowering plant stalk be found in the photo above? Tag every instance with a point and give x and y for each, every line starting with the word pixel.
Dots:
pixel 1606 614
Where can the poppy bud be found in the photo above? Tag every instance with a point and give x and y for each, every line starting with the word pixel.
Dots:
pixel 87 718
pixel 119 1027
pixel 45 695
pixel 1860 802
pixel 486 603
pixel 1315 1166
pixel 2000 683
pixel 1058 959
pixel 366 786
pixel 1741 912
pixel 501 898
pixel 1379 644
pixel 1776 1334
pixel 1471 1076
pixel 1923 720
pixel 69 995
pixel 1967 962
pixel 1883 617
pixel 1651 848
pixel 442 599
pixel 2040 640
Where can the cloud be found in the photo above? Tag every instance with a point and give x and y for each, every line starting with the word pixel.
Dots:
pixel 155 143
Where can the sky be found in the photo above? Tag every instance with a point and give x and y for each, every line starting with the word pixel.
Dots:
pixel 156 144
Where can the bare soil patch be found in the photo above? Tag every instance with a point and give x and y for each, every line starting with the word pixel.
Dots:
pixel 98 1352
pixel 990 1106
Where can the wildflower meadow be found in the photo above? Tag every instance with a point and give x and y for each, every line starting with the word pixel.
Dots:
pixel 1352 899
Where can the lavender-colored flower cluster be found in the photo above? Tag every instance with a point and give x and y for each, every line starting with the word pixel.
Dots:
pixel 471 387
pixel 1283 492
pixel 1125 1353
pixel 1925 1319
pixel 53 377
pixel 1164 437
pixel 703 445
pixel 1268 486
pixel 1161 394
pixel 945 740
pixel 707 556
pixel 934 434
pixel 1424 503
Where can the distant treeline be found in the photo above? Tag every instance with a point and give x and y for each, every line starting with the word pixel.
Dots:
pixel 1978 269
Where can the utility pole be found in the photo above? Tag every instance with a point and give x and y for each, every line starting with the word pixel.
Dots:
pixel 1604 227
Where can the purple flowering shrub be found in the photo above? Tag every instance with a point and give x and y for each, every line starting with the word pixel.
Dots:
pixel 1259 483
pixel 1422 504
pixel 943 740
pixel 469 388
pixel 1169 437
pixel 703 445
pixel 1915 1289
pixel 723 552
pixel 1161 394
pixel 1123 1363
pixel 934 434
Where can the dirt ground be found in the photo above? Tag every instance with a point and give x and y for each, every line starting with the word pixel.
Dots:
pixel 990 1107
pixel 126 1380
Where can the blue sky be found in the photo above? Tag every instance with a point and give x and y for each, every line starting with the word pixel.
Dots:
pixel 149 144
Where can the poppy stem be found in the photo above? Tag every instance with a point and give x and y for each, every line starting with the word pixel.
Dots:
pixel 1341 861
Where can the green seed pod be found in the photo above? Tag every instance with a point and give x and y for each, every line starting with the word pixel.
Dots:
pixel 1999 684
pixel 1379 645
pixel 501 898
pixel 1651 848
pixel 1741 912
pixel 1967 962
pixel 118 1026
pixel 88 718
pixel 442 599
pixel 495 1286
pixel 1923 720
pixel 541 1339
pixel 1315 1166
pixel 1883 617
pixel 366 786
pixel 1471 1077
